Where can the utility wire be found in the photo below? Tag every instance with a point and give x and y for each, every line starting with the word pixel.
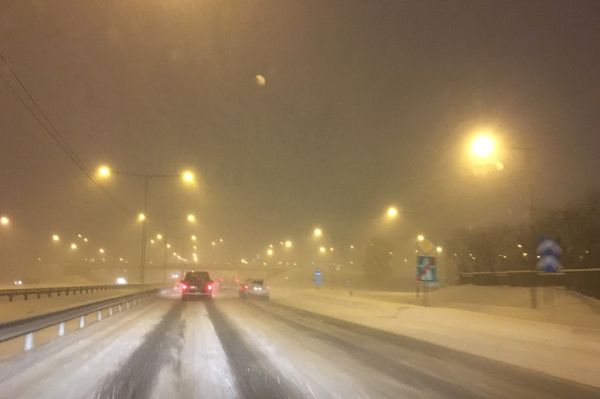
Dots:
pixel 57 137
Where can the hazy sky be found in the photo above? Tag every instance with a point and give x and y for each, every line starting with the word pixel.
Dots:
pixel 366 104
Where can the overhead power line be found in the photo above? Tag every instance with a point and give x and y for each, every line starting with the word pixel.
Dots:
pixel 56 136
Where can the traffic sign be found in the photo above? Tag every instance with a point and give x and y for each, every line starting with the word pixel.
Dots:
pixel 426 245
pixel 318 280
pixel 427 269
pixel 317 273
pixel 549 252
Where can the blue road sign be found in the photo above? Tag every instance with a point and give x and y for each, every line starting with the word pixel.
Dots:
pixel 427 269
pixel 549 252
pixel 318 280
pixel 317 273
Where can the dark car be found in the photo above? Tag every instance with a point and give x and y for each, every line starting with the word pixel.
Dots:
pixel 252 288
pixel 196 284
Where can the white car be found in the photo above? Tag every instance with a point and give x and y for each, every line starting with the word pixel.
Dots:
pixel 254 289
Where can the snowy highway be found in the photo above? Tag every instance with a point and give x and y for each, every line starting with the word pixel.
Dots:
pixel 229 348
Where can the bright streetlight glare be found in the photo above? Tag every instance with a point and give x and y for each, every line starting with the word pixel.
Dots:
pixel 55 237
pixel 288 244
pixel 331 249
pixel 482 146
pixel 141 216
pixel 193 238
pixel 322 249
pixel 159 236
pixel 101 250
pixel 270 252
pixel 439 249
pixel 188 176
pixel 220 239
pixel 73 246
pixel 191 218
pixel 4 220
pixel 318 232
pixel 168 245
pixel 104 171
pixel 420 238
pixel 392 212
pixel 151 241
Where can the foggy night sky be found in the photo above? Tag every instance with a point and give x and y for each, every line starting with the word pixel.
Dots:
pixel 366 104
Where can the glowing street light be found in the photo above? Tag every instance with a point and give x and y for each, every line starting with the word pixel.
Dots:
pixel 168 245
pixel 392 212
pixel 55 237
pixel 270 252
pixel 188 176
pixel 4 220
pixel 439 249
pixel 104 171
pixel 420 238
pixel 213 243
pixel 318 233
pixel 73 246
pixel 482 146
pixel 322 249
pixel 101 250
pixel 141 216
pixel 158 236
pixel 191 218
pixel 288 244
pixel 193 238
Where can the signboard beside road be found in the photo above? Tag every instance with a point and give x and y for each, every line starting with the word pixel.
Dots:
pixel 425 245
pixel 318 280
pixel 549 252
pixel 427 269
pixel 426 274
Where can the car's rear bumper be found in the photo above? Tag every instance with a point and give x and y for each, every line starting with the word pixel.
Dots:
pixel 197 294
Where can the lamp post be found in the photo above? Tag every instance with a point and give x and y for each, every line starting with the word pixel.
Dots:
pixel 186 176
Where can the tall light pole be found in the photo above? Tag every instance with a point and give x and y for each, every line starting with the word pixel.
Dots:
pixel 104 171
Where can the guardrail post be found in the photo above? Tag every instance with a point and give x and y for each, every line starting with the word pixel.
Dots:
pixel 61 329
pixel 99 315
pixel 67 292
pixel 39 295
pixel 119 308
pixel 10 298
pixel 127 304
pixel 110 312
pixel 58 292
pixel 81 321
pixel 49 294
pixel 28 342
pixel 25 297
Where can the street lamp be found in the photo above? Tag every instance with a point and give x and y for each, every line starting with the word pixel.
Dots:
pixel 191 218
pixel 188 176
pixel 322 249
pixel 55 237
pixel 193 238
pixel 141 217
pixel 439 249
pixel 270 251
pixel 104 171
pixel 73 246
pixel 101 251
pixel 483 146
pixel 288 244
pixel 4 220
pixel 392 212
pixel 420 238
pixel 318 232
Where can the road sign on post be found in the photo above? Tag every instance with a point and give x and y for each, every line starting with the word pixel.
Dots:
pixel 427 269
pixel 426 245
pixel 549 252
pixel 317 273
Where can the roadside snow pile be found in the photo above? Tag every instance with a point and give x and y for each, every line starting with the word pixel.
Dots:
pixel 549 348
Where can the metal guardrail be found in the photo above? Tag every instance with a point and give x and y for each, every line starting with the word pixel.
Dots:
pixel 26 292
pixel 28 326
pixel 584 281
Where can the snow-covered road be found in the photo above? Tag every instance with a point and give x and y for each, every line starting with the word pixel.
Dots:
pixel 230 348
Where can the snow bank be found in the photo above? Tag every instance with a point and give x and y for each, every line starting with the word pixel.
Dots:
pixel 562 351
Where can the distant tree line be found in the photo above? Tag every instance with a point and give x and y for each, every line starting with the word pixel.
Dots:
pixel 504 247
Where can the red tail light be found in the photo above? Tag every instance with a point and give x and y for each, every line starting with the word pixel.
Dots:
pixel 208 287
pixel 237 280
pixel 246 287
pixel 268 287
pixel 184 287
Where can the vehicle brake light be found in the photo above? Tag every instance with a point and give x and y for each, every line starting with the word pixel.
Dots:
pixel 246 287
pixel 268 287
pixel 237 280
pixel 184 287
pixel 209 287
